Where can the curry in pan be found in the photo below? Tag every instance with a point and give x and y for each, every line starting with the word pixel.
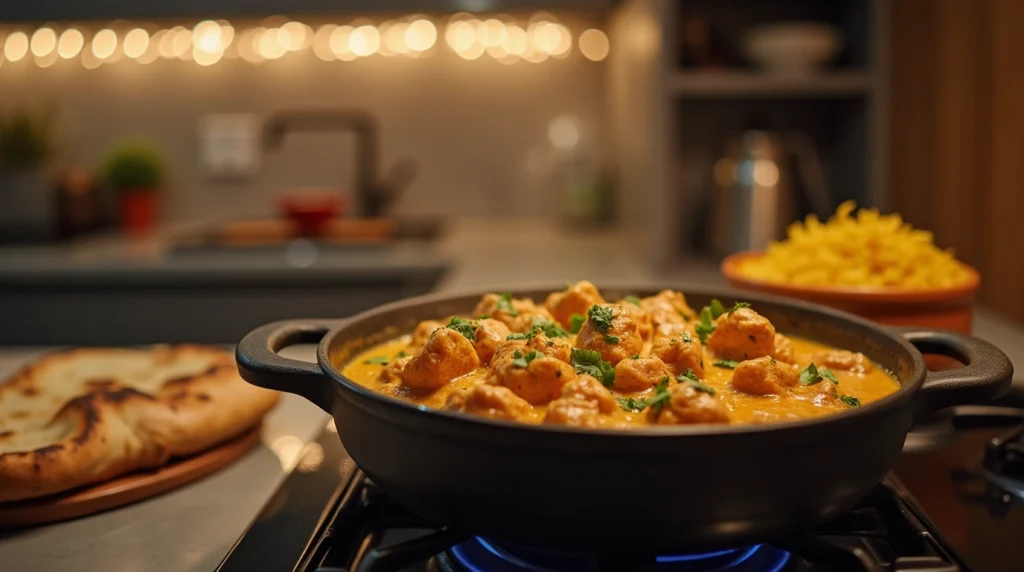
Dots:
pixel 582 361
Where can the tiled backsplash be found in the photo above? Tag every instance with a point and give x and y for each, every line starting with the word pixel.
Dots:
pixel 478 129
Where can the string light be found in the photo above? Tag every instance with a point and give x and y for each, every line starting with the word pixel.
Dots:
pixel 205 58
pixel 270 46
pixel 227 35
pixel 15 46
pixel 135 43
pixel 293 36
pixel 594 45
pixel 166 46
pixel 460 36
pixel 248 43
pixel 44 40
pixel 206 36
pixel 517 40
pixel 181 44
pixel 70 43
pixel 339 43
pixel 421 35
pixel 322 43
pixel 104 43
pixel 364 41
pixel 153 49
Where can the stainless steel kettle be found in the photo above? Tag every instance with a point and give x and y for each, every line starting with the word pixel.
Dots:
pixel 757 192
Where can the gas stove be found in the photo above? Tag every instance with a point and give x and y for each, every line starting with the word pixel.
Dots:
pixel 329 517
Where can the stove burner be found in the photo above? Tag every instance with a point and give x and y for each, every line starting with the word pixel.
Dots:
pixel 482 555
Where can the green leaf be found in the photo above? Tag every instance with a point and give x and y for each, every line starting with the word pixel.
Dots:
pixel 706 326
pixel 704 388
pixel 611 339
pixel 483 316
pixel 688 374
pixel 632 300
pixel 464 327
pixel 661 396
pixel 601 317
pixel 810 375
pixel 636 356
pixel 379 360
pixel 726 363
pixel 827 374
pixel 550 329
pixel 739 306
pixel 576 322
pixel 851 401
pixel 589 362
pixel 505 304
pixel 520 360
pixel 401 354
pixel 631 404
pixel 717 309
pixel 686 338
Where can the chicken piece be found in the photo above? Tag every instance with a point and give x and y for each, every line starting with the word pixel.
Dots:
pixel 422 333
pixel 668 306
pixel 782 349
pixel 854 362
pixel 490 334
pixel 764 376
pixel 576 299
pixel 575 413
pixel 540 381
pixel 612 331
pixel 640 374
pixel 493 401
pixel 674 330
pixel 518 314
pixel 741 335
pixel 822 393
pixel 688 406
pixel 504 353
pixel 558 348
pixel 586 388
pixel 680 354
pixel 642 318
pixel 393 371
pixel 446 355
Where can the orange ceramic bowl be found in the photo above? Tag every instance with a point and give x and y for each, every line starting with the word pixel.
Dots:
pixel 943 308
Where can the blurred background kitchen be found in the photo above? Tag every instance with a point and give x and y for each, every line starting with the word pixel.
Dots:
pixel 215 165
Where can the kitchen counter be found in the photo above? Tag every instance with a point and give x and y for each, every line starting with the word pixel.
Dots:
pixel 191 529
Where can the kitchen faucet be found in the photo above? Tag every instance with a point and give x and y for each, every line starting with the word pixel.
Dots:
pixel 374 195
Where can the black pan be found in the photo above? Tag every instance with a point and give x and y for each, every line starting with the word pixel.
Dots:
pixel 650 489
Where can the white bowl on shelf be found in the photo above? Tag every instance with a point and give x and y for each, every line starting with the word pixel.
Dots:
pixel 795 48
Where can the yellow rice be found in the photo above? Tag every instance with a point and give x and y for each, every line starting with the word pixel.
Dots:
pixel 856 249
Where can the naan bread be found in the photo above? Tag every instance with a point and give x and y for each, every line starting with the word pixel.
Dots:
pixel 82 416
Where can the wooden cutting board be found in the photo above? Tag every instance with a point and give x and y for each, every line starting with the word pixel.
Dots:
pixel 127 489
pixel 277 231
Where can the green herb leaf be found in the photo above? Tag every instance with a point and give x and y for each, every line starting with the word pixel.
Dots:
pixel 379 360
pixel 464 327
pixel 706 326
pixel 505 304
pixel 589 362
pixel 637 356
pixel 672 342
pixel 520 360
pixel 516 336
pixel 686 338
pixel 687 317
pixel 483 316
pixel 401 354
pixel 717 309
pixel 631 404
pixel 827 374
pixel 851 401
pixel 576 322
pixel 739 306
pixel 688 374
pixel 696 384
pixel 661 396
pixel 726 363
pixel 611 339
pixel 601 317
pixel 550 329
pixel 810 375
pixel 632 300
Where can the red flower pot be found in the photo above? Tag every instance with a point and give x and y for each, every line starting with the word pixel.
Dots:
pixel 138 211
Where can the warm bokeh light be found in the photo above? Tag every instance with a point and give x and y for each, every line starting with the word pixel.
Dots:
pixel 518 42
pixel 44 40
pixel 421 35
pixel 205 58
pixel 564 132
pixel 490 32
pixel 545 36
pixel 364 41
pixel 70 43
pixel 166 44
pixel 339 43
pixel 564 42
pixel 104 43
pixel 206 36
pixel 473 52
pixel 460 36
pixel 270 46
pixel 322 43
pixel 294 36
pixel 594 45
pixel 16 46
pixel 181 44
pixel 534 55
pixel 393 38
pixel 135 43
pixel 227 35
pixel 153 49
pixel 90 61
pixel 248 44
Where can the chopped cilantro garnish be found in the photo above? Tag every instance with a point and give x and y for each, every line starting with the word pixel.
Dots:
pixel 608 339
pixel 517 336
pixel 576 322
pixel 827 374
pixel 716 308
pixel 632 300
pixel 706 326
pixel 464 327
pixel 695 383
pixel 589 362
pixel 483 316
pixel 601 317
pixel 637 356
pixel 550 329
pixel 686 338
pixel 520 360
pixel 688 374
pixel 401 354
pixel 379 360
pixel 505 304
pixel 811 375
pixel 661 396
pixel 631 404
pixel 726 363
pixel 851 401
pixel 739 306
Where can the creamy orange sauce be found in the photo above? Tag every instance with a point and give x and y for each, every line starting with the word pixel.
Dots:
pixel 797 403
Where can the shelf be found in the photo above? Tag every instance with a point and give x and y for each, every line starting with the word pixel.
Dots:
pixel 741 84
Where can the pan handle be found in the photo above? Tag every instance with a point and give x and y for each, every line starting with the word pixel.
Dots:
pixel 987 372
pixel 260 364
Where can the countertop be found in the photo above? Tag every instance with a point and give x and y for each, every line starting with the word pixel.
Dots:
pixel 192 529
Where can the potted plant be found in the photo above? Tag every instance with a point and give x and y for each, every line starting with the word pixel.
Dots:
pixel 135 171
pixel 26 143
